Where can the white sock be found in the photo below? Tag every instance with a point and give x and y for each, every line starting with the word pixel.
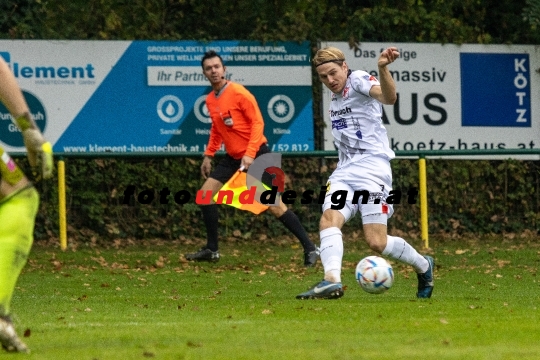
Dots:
pixel 398 249
pixel 331 253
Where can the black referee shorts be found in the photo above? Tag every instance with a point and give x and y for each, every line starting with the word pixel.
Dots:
pixel 226 167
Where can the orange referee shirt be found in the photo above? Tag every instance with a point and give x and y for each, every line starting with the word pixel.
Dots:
pixel 246 135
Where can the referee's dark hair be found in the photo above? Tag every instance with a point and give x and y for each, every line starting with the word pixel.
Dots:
pixel 210 54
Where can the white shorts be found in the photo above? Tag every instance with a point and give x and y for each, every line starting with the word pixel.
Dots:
pixel 372 174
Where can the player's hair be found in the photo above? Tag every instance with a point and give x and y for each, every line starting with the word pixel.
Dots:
pixel 209 55
pixel 328 54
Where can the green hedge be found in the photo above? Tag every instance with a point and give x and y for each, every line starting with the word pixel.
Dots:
pixel 463 197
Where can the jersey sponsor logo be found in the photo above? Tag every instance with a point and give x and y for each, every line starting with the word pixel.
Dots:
pixel 339 124
pixel 340 112
pixel 345 93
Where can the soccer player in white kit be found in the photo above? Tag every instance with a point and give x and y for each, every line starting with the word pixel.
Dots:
pixel 364 164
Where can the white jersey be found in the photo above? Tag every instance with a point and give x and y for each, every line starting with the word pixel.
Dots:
pixel 356 121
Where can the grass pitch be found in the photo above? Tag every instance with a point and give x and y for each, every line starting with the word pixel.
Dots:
pixel 143 301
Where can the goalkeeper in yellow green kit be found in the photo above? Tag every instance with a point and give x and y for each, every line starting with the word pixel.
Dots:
pixel 19 202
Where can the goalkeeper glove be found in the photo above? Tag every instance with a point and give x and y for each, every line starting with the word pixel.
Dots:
pixel 39 151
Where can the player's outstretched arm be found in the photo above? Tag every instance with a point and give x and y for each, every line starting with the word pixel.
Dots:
pixel 39 150
pixel 386 92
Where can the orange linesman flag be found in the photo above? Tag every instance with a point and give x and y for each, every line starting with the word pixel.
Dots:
pixel 235 193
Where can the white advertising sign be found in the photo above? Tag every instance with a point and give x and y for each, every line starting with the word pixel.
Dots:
pixel 455 97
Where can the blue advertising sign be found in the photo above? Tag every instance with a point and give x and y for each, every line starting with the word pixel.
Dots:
pixel 495 90
pixel 153 98
pixel 149 96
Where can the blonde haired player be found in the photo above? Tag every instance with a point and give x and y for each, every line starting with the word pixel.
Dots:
pixel 19 202
pixel 364 164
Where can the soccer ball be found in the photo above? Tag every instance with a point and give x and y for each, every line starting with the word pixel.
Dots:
pixel 374 274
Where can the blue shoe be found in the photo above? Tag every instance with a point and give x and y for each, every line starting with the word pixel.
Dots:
pixel 323 290
pixel 425 280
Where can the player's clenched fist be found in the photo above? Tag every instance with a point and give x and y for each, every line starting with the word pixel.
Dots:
pixel 388 56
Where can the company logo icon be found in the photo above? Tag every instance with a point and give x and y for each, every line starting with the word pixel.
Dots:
pixel 9 132
pixel 281 108
pixel 170 109
pixel 345 93
pixel 201 111
pixel 339 124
